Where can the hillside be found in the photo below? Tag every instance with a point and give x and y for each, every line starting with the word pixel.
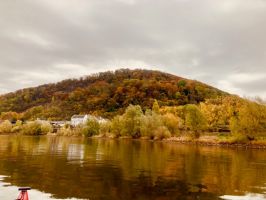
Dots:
pixel 106 94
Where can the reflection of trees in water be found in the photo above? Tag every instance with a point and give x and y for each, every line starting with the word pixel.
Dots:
pixel 110 169
pixel 101 183
pixel 167 189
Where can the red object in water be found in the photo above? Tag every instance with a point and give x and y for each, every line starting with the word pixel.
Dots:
pixel 23 193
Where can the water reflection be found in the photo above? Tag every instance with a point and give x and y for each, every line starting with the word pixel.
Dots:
pixel 124 169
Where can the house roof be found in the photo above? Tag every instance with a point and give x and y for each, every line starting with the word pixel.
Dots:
pixel 78 116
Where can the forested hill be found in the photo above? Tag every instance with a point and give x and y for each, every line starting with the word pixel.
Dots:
pixel 106 94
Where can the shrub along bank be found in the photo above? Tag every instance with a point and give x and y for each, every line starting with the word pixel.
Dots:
pixel 28 128
pixel 241 120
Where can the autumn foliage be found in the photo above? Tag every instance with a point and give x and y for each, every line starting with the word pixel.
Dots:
pixel 106 94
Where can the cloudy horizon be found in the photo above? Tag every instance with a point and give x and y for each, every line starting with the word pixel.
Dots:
pixel 221 43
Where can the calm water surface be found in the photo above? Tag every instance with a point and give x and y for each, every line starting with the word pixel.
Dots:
pixel 99 169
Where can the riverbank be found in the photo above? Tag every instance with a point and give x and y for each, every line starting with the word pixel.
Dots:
pixel 216 141
pixel 204 140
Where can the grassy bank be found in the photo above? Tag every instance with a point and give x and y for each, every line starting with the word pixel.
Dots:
pixel 205 140
pixel 228 141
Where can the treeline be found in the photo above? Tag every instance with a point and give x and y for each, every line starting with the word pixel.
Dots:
pixel 29 128
pixel 245 120
pixel 106 94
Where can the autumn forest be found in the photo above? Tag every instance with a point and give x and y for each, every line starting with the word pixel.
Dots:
pixel 137 103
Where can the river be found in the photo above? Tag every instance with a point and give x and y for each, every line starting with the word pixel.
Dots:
pixel 106 169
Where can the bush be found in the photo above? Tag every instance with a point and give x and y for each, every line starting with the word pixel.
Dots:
pixel 194 119
pixel 131 121
pixel 31 128
pixel 156 107
pixel 67 131
pixel 116 126
pixel 35 128
pixel 152 125
pixel 6 127
pixel 234 125
pixel 105 128
pixel 17 128
pixel 172 123
pixel 46 127
pixel 86 131
pixel 150 122
pixel 91 128
pixel 161 133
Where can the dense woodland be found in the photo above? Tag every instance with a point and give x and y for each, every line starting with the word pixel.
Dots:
pixel 105 94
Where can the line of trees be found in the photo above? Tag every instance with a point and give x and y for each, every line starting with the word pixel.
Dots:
pixel 231 113
pixel 238 116
pixel 29 128
pixel 243 118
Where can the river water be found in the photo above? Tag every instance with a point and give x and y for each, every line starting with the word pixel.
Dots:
pixel 105 169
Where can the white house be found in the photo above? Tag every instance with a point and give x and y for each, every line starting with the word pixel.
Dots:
pixel 82 119
pixel 78 119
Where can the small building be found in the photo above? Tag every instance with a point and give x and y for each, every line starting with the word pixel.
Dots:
pixel 59 123
pixel 82 119
pixel 78 119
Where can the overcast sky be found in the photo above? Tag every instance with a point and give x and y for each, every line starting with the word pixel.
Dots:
pixel 219 42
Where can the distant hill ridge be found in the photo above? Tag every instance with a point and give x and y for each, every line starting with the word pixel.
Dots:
pixel 106 94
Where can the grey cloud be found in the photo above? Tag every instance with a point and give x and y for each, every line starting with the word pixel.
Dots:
pixel 253 87
pixel 207 40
